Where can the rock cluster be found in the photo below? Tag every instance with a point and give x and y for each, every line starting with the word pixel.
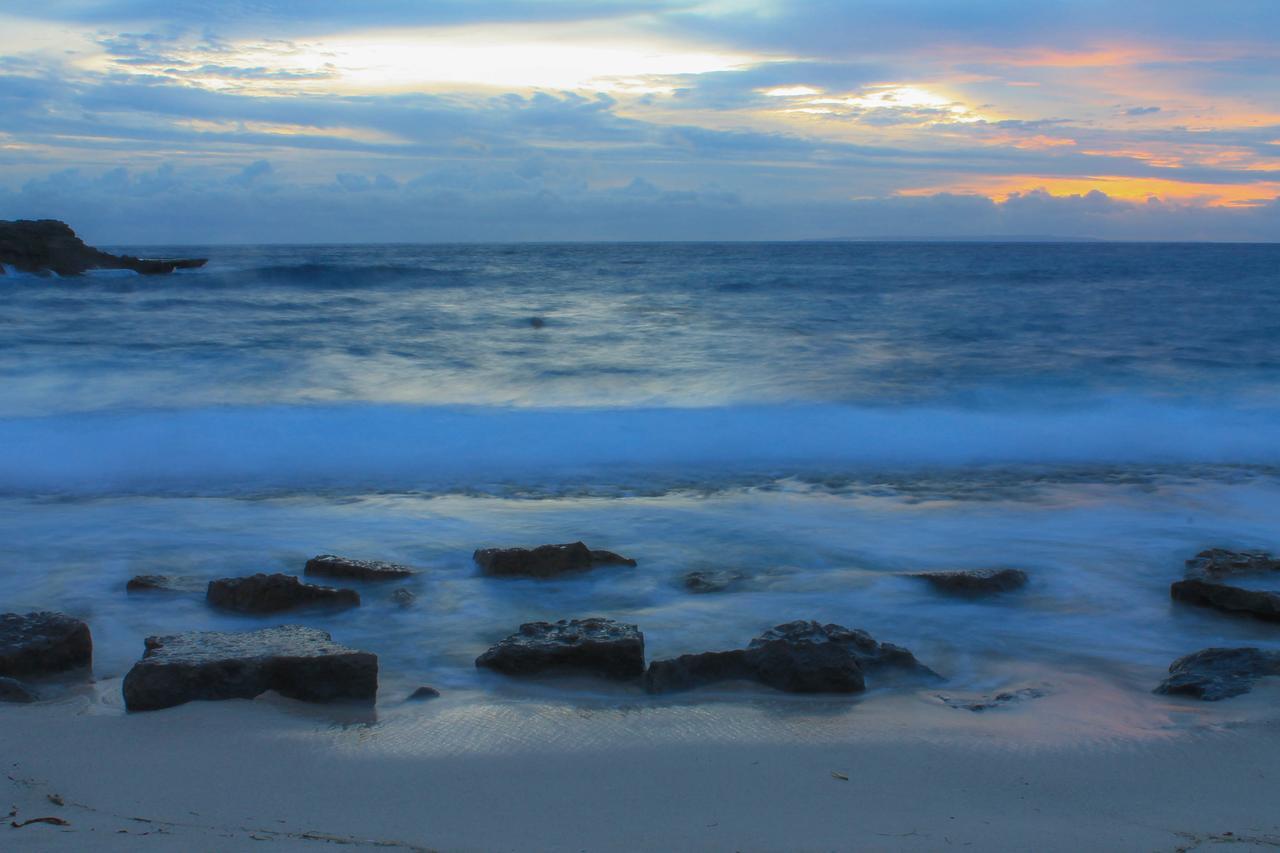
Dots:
pixel 1204 586
pixel 47 245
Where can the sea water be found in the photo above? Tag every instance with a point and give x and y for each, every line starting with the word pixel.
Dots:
pixel 821 419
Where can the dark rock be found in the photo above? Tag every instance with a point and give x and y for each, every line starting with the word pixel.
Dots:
pixel 975 581
pixel 46 245
pixel 798 657
pixel 537 322
pixel 422 694
pixel 301 663
pixel 596 646
pixel 42 643
pixel 1219 561
pixel 329 566
pixel 710 581
pixel 999 700
pixel 1213 674
pixel 1232 599
pixel 545 561
pixel 12 690
pixel 165 583
pixel 272 593
pixel 403 597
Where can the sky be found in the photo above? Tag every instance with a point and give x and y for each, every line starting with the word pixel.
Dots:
pixel 252 121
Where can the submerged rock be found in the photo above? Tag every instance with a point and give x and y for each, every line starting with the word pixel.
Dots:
pixel 12 690
pixel 1232 599
pixel 999 700
pixel 301 663
pixel 263 593
pixel 595 646
pixel 710 581
pixel 422 694
pixel 1216 562
pixel 403 597
pixel 797 657
pixel 47 245
pixel 165 583
pixel 975 581
pixel 1213 674
pixel 329 566
pixel 43 643
pixel 545 561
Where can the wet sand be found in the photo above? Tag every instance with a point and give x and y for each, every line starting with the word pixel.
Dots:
pixel 1086 767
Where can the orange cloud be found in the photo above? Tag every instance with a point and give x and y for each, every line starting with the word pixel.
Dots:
pixel 1001 187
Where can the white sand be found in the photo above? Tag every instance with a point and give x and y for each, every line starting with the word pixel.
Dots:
pixel 474 773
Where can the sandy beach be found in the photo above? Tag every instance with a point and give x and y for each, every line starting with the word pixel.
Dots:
pixel 1086 767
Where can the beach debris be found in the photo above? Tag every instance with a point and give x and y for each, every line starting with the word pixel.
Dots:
pixel 836 774
pixel 56 799
pixel 796 657
pixel 47 245
pixel 55 821
pixel 422 694
pixel 263 593
pixel 12 690
pixel 1231 599
pixel 973 582
pixel 596 646
pixel 545 561
pixel 42 643
pixel 984 703
pixel 166 583
pixel 297 662
pixel 1219 673
pixel 711 581
pixel 403 597
pixel 330 566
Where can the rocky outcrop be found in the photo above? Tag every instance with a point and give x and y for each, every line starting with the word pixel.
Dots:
pixel 1213 674
pixel 708 581
pixel 43 643
pixel 975 582
pixel 593 646
pixel 14 691
pixel 47 245
pixel 798 657
pixel 273 593
pixel 1232 599
pixel 545 561
pixel 301 663
pixel 329 566
pixel 165 583
pixel 1218 562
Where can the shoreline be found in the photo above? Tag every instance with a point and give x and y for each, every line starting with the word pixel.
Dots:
pixel 469 772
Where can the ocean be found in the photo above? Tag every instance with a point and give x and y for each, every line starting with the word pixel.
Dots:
pixel 818 418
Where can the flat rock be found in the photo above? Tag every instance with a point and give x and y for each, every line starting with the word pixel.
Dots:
pixel 329 566
pixel 43 643
pixel 710 581
pixel 263 593
pixel 545 561
pixel 974 581
pixel 47 245
pixel 301 663
pixel 797 657
pixel 1216 562
pixel 1232 599
pixel 1213 674
pixel 594 646
pixel 12 690
pixel 166 583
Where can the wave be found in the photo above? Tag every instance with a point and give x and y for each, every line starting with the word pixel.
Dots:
pixel 381 447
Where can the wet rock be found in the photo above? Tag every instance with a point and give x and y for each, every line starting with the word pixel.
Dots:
pixel 42 643
pixel 595 646
pixel 975 581
pixel 1232 599
pixel 1217 562
pixel 301 663
pixel 537 322
pixel 798 657
pixel 403 597
pixel 545 561
pixel 422 694
pixel 329 566
pixel 166 583
pixel 12 690
pixel 999 700
pixel 1213 674
pixel 263 593
pixel 47 245
pixel 710 581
